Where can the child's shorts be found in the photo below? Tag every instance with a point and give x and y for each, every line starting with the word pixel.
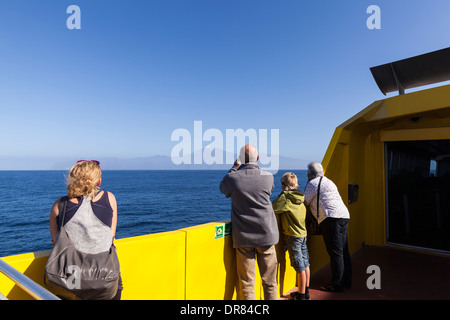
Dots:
pixel 298 253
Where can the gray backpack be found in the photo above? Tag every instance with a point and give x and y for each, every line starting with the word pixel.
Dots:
pixel 76 275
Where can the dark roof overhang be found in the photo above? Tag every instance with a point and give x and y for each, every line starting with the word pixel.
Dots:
pixel 413 72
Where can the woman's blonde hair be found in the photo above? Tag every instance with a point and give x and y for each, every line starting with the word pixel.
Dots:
pixel 84 178
pixel 290 180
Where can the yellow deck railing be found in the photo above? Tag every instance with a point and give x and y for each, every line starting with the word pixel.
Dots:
pixel 192 263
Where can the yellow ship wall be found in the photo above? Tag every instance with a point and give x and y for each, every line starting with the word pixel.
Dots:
pixel 190 263
pixel 356 156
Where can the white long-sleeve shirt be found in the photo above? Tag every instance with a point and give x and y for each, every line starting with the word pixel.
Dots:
pixel 330 201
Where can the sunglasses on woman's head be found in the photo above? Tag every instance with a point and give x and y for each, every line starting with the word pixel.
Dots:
pixel 96 161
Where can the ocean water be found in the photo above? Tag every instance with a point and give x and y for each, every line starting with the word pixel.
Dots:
pixel 148 202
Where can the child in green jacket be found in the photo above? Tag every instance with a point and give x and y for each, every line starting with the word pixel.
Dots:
pixel 289 205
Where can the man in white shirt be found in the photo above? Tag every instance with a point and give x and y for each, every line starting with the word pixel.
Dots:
pixel 333 217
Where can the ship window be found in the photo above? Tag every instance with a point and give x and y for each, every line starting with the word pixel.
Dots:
pixel 418 193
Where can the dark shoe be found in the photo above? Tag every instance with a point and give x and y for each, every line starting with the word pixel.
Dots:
pixel 298 296
pixel 331 288
pixel 307 296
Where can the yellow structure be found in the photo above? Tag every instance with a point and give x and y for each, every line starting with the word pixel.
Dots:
pixel 356 155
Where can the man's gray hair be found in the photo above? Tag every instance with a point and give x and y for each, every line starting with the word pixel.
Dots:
pixel 315 169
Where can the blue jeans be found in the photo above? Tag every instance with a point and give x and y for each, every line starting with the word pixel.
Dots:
pixel 334 231
pixel 298 253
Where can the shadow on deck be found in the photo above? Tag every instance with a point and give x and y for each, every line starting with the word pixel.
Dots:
pixel 405 275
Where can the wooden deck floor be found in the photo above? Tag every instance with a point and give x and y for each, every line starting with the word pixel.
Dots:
pixel 405 275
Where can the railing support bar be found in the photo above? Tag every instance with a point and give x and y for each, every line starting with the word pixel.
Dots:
pixel 28 285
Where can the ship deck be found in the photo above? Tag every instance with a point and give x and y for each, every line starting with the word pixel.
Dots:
pixel 404 275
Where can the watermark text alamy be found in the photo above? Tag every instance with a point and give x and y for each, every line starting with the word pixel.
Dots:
pixel 190 148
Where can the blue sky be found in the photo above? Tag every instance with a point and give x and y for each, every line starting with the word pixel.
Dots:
pixel 138 70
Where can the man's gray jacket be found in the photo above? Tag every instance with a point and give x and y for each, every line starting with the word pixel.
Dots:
pixel 253 222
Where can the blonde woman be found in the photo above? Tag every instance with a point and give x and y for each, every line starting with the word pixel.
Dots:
pixel 92 212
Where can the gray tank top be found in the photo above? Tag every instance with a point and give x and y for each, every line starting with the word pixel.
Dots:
pixel 87 232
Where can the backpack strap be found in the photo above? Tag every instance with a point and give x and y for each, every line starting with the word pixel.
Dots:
pixel 62 211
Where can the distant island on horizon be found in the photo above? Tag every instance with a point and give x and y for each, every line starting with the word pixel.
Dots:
pixel 161 162
pixel 157 162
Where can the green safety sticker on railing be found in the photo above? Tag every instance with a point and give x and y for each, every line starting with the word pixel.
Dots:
pixel 222 230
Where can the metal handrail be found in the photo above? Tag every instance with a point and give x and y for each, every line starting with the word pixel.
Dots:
pixel 28 285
